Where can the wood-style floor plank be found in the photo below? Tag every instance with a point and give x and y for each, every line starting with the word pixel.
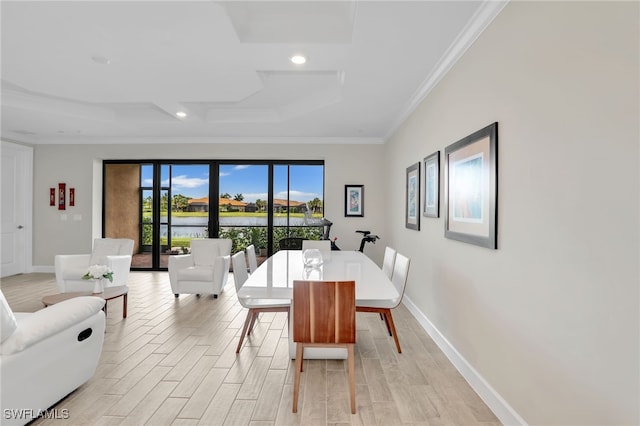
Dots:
pixel 173 362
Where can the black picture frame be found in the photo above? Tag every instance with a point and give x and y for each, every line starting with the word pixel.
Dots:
pixel 354 200
pixel 471 188
pixel 412 197
pixel 431 187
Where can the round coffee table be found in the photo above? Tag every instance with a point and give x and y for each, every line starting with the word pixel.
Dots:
pixel 108 294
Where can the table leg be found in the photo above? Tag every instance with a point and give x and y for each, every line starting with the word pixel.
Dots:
pixel 124 306
pixel 105 308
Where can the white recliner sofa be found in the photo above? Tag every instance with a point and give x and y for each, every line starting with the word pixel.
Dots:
pixel 204 271
pixel 47 354
pixel 116 253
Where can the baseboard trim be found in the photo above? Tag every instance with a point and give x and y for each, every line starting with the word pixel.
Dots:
pixel 497 404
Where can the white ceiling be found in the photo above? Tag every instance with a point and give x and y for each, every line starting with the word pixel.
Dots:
pixel 226 64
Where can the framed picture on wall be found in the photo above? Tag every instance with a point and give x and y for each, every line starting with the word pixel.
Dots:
pixel 412 201
pixel 431 198
pixel 354 200
pixel 471 188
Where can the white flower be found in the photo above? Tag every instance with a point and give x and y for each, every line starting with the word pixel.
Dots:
pixel 98 271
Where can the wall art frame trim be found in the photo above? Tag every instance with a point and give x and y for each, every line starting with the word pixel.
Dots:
pixel 412 197
pixel 471 188
pixel 431 195
pixel 354 200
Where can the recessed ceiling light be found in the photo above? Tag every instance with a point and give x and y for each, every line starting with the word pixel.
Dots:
pixel 181 114
pixel 298 59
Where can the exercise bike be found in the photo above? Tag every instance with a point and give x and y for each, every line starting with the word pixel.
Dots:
pixel 367 236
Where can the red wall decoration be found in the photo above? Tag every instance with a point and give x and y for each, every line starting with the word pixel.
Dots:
pixel 52 196
pixel 72 197
pixel 61 196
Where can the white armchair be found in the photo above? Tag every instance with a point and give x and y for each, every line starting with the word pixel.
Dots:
pixel 204 271
pixel 114 252
pixel 47 354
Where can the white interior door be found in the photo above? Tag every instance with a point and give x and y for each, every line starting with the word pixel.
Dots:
pixel 15 210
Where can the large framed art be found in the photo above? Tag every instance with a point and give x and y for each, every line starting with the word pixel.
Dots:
pixel 412 200
pixel 471 188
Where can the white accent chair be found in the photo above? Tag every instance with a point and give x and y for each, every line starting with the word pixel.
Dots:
pixel 255 306
pixel 204 271
pixel 47 354
pixel 388 261
pixel 114 252
pixel 251 257
pixel 384 307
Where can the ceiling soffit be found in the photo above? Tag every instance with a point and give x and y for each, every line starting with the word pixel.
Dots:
pixel 118 70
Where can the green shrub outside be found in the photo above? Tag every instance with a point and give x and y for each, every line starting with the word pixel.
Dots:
pixel 242 237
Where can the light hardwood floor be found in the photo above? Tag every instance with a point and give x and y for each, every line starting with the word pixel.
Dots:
pixel 173 362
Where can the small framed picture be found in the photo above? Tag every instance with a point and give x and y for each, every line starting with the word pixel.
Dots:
pixel 412 202
pixel 354 200
pixel 431 203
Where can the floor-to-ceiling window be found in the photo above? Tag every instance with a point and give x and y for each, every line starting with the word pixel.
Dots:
pixel 298 193
pixel 162 205
pixel 242 205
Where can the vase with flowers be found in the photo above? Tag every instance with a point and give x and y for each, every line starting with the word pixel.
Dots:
pixel 98 273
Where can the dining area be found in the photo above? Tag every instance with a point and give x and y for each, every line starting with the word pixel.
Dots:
pixel 320 290
pixel 175 361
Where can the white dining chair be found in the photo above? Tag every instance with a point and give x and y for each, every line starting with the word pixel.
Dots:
pixel 251 257
pixel 388 261
pixel 255 306
pixel 384 307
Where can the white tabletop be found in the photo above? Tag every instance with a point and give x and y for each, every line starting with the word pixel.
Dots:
pixel 274 278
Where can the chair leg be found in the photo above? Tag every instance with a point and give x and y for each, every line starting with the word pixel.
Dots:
pixel 393 329
pixel 352 376
pixel 244 330
pixel 296 383
pixel 386 321
pixel 253 320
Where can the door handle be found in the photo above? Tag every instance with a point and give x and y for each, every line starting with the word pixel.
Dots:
pixel 20 226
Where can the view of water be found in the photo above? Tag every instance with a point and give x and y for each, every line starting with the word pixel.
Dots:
pixel 195 226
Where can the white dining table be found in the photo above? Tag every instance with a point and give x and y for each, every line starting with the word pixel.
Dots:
pixel 274 280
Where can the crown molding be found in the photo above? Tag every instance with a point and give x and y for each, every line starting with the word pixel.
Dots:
pixel 485 14
pixel 157 140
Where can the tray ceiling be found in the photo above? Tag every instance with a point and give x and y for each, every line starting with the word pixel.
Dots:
pixel 116 72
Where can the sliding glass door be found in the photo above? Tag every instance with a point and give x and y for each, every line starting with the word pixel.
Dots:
pixel 242 205
pixel 298 191
pixel 162 205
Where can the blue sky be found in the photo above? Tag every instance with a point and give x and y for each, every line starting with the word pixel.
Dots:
pixel 248 180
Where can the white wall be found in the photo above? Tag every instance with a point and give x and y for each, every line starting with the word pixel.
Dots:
pixel 551 319
pixel 74 165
